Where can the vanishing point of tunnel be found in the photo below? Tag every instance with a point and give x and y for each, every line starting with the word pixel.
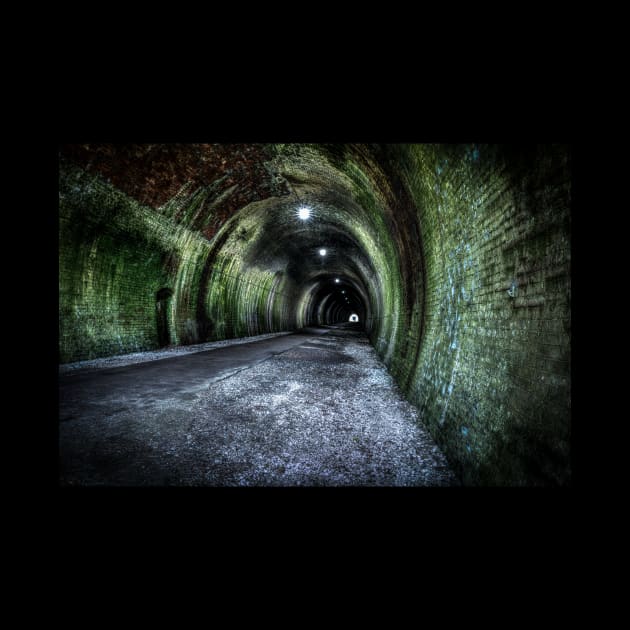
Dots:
pixel 314 315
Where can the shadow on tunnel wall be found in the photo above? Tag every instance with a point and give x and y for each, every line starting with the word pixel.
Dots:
pixel 161 315
pixel 519 456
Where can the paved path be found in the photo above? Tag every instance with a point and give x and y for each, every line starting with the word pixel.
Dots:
pixel 314 408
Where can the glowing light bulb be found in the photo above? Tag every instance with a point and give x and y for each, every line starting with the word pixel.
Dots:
pixel 304 213
pixel 337 280
pixel 322 252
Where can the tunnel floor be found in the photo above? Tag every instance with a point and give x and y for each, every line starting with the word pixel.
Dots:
pixel 314 408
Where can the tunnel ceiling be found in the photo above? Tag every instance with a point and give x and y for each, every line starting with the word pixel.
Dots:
pixel 254 192
pixel 155 174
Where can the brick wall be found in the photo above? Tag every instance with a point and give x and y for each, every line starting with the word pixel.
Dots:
pixel 116 256
pixel 492 378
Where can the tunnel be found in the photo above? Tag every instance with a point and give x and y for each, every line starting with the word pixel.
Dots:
pixel 452 260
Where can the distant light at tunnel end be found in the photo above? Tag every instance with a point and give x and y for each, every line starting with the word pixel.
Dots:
pixel 322 252
pixel 304 213
pixel 337 280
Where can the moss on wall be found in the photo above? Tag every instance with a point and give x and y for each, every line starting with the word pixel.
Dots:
pixel 493 375
pixel 115 256
pixel 110 270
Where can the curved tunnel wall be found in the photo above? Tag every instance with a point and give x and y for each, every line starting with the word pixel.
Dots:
pixel 455 258
pixel 492 374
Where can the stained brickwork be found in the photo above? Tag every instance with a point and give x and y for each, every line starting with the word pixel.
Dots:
pixel 493 375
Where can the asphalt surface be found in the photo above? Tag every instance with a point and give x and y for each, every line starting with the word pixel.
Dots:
pixel 147 384
pixel 314 408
